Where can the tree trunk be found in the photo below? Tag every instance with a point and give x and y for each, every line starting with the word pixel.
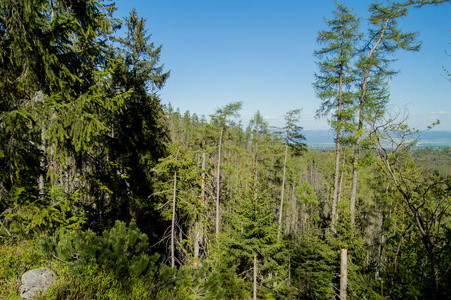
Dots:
pixel 344 274
pixel 38 97
pixel 360 126
pixel 337 146
pixel 218 177
pixel 336 181
pixel 355 160
pixel 173 219
pixel 197 226
pixel 355 173
pixel 340 190
pixel 42 166
pixel 255 277
pixel 283 187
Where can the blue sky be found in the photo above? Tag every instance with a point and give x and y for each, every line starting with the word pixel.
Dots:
pixel 261 53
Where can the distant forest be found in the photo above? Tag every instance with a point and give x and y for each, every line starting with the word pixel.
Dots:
pixel 126 198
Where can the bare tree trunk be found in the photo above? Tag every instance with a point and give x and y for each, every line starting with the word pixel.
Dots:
pixel 255 277
pixel 344 274
pixel 337 147
pixel 283 187
pixel 218 177
pixel 38 97
pixel 42 166
pixel 173 219
pixel 340 190
pixel 336 181
pixel 355 173
pixel 197 226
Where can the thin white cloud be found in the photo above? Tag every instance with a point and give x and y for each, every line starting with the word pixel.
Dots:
pixel 271 118
pixel 440 112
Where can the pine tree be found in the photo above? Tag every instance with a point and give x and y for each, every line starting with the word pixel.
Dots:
pixel 250 243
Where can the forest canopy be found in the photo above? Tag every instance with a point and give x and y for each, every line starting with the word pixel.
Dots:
pixel 127 198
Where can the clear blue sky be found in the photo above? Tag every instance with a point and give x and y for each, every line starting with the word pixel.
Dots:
pixel 261 53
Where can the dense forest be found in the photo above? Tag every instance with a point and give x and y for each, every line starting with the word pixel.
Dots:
pixel 126 198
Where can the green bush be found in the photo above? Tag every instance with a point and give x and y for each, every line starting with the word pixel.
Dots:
pixel 120 250
pixel 117 265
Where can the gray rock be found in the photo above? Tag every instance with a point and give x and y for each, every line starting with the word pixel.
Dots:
pixel 36 282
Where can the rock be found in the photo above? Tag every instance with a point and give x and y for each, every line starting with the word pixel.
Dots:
pixel 35 282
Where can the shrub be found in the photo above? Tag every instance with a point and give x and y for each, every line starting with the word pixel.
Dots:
pixel 120 250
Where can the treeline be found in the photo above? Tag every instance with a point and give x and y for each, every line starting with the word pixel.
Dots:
pixel 128 199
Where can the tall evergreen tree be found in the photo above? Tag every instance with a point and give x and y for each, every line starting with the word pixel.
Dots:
pixel 54 61
pixel 220 119
pixel 293 139
pixel 372 72
pixel 137 133
pixel 334 81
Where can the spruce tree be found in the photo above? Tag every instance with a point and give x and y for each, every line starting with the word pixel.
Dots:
pixel 250 243
pixel 136 134
pixel 54 61
pixel 293 139
pixel 221 121
pixel 179 181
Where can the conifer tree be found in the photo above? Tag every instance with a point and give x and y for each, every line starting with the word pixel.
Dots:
pixel 335 78
pixel 137 133
pixel 259 139
pixel 220 119
pixel 250 242
pixel 179 182
pixel 54 61
pixel 294 140
pixel 372 69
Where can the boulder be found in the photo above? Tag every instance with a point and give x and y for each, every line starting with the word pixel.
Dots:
pixel 36 282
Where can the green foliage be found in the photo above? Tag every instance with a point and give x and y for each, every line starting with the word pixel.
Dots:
pixel 433 159
pixel 293 132
pixel 222 115
pixel 315 268
pixel 85 144
pixel 251 231
pixel 119 183
pixel 305 194
pixel 198 283
pixel 334 81
pixel 97 280
pixel 58 213
pixel 189 208
pixel 120 250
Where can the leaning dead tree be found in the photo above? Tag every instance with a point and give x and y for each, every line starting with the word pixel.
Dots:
pixel 426 197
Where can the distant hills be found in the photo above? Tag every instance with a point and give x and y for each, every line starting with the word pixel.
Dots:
pixel 436 138
pixel 319 138
pixel 325 139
